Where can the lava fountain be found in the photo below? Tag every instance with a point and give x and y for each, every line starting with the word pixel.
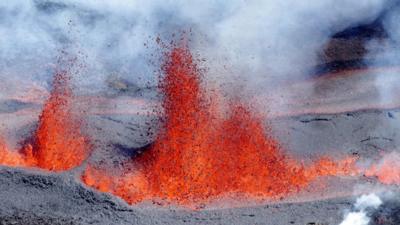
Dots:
pixel 201 154
pixel 58 143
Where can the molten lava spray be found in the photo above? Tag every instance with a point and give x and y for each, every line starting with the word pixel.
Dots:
pixel 10 158
pixel 200 154
pixel 58 143
pixel 387 171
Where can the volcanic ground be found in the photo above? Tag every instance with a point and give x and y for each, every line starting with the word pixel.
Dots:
pixel 342 116
pixel 33 196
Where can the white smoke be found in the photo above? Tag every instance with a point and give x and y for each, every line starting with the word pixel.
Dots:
pixel 281 38
pixel 261 41
pixel 387 53
pixel 359 215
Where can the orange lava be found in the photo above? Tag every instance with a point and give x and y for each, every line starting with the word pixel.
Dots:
pixel 387 171
pixel 58 143
pixel 201 153
pixel 10 158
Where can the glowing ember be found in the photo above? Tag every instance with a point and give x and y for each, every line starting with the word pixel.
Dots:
pixel 200 155
pixel 10 158
pixel 327 167
pixel 58 143
pixel 387 171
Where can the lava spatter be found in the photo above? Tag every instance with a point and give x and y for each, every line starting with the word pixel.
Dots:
pixel 387 171
pixel 58 143
pixel 10 158
pixel 200 155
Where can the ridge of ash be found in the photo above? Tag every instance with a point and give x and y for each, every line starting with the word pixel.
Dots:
pixel 35 197
pixel 12 105
pixel 348 48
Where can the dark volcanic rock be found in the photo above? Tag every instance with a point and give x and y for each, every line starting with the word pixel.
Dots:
pixel 387 214
pixel 48 198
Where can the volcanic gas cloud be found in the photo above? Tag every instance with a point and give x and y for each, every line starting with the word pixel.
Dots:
pixel 58 143
pixel 202 153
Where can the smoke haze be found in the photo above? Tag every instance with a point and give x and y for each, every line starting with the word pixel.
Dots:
pixel 261 42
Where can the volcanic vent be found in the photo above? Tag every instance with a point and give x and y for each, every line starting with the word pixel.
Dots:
pixel 318 124
pixel 201 153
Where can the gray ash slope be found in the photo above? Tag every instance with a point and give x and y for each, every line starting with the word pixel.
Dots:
pixel 38 197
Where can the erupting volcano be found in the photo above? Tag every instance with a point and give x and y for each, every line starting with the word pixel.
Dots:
pixel 201 153
pixel 58 143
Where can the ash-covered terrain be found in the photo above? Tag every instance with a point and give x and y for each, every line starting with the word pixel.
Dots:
pixel 336 71
pixel 34 196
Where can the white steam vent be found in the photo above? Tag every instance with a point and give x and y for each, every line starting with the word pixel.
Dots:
pixel 359 215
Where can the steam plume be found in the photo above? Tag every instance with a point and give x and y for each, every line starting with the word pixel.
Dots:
pixel 263 41
pixel 359 215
